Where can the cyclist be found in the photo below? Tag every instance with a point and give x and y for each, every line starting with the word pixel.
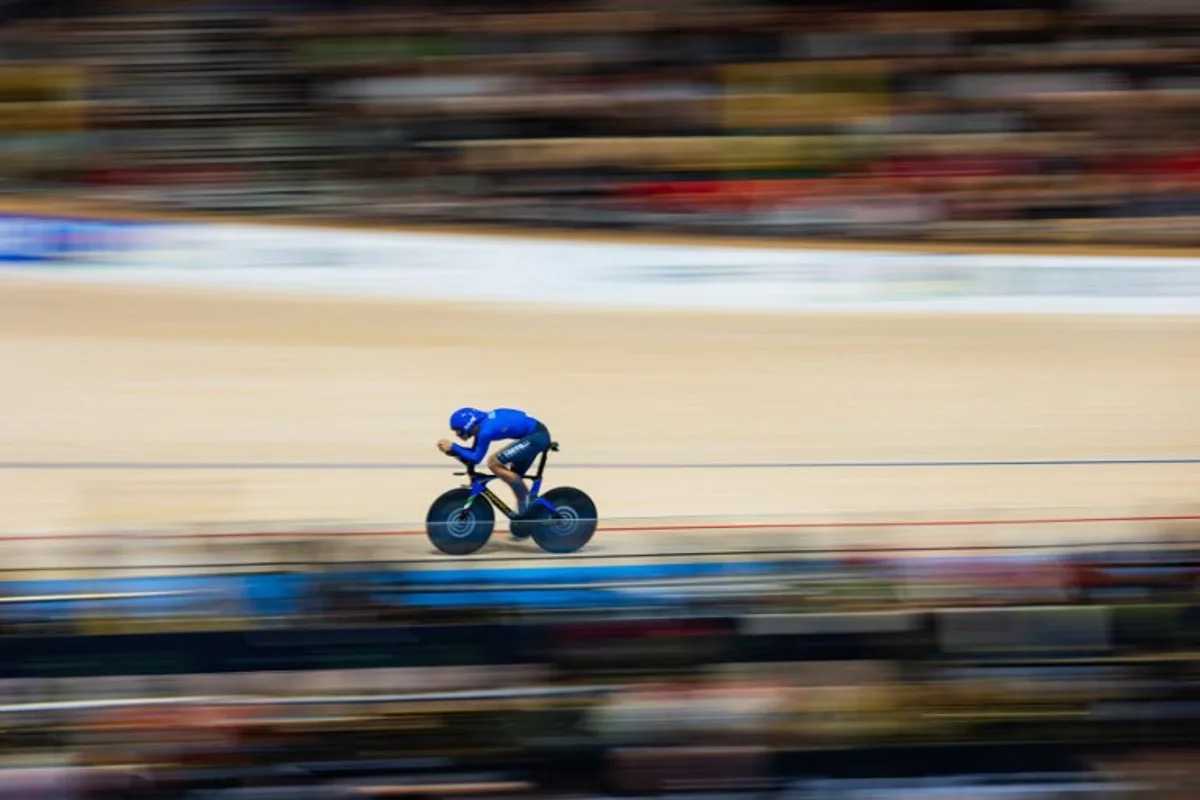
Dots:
pixel 510 464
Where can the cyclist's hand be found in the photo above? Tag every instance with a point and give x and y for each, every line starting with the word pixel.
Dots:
pixel 444 445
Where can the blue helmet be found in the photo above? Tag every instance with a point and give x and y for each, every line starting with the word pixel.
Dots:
pixel 464 421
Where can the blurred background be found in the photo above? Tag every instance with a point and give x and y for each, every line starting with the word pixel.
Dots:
pixel 832 675
pixel 998 120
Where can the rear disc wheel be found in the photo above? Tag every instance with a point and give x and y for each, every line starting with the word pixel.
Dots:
pixel 569 526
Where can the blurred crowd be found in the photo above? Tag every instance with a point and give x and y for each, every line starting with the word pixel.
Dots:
pixel 856 729
pixel 1002 120
pixel 866 675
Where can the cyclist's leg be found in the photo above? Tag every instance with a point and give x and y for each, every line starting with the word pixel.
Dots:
pixel 511 464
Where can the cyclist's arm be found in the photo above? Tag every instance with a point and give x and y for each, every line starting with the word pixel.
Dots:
pixel 473 456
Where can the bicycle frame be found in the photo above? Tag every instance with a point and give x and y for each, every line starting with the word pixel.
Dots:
pixel 480 480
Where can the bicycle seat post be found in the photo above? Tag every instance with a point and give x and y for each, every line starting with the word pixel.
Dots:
pixel 542 462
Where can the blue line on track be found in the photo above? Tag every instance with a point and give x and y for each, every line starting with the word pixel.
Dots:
pixel 396 466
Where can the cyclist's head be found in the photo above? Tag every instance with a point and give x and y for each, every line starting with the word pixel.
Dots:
pixel 464 422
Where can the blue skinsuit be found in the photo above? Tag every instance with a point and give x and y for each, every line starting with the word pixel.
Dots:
pixel 502 423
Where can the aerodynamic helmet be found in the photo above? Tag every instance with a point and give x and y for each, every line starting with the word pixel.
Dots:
pixel 464 421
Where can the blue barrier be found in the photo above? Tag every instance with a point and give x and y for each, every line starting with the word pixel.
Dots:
pixel 36 239
pixel 569 584
pixel 256 595
pixel 284 594
pixel 589 573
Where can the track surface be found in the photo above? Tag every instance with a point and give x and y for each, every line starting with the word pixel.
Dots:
pixel 218 408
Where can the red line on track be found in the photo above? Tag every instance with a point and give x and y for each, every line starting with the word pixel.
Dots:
pixel 734 526
pixel 947 523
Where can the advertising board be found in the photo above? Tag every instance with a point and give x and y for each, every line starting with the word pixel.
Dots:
pixel 493 268
pixel 63 241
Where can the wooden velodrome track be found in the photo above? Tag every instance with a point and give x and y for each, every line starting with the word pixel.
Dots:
pixel 313 410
